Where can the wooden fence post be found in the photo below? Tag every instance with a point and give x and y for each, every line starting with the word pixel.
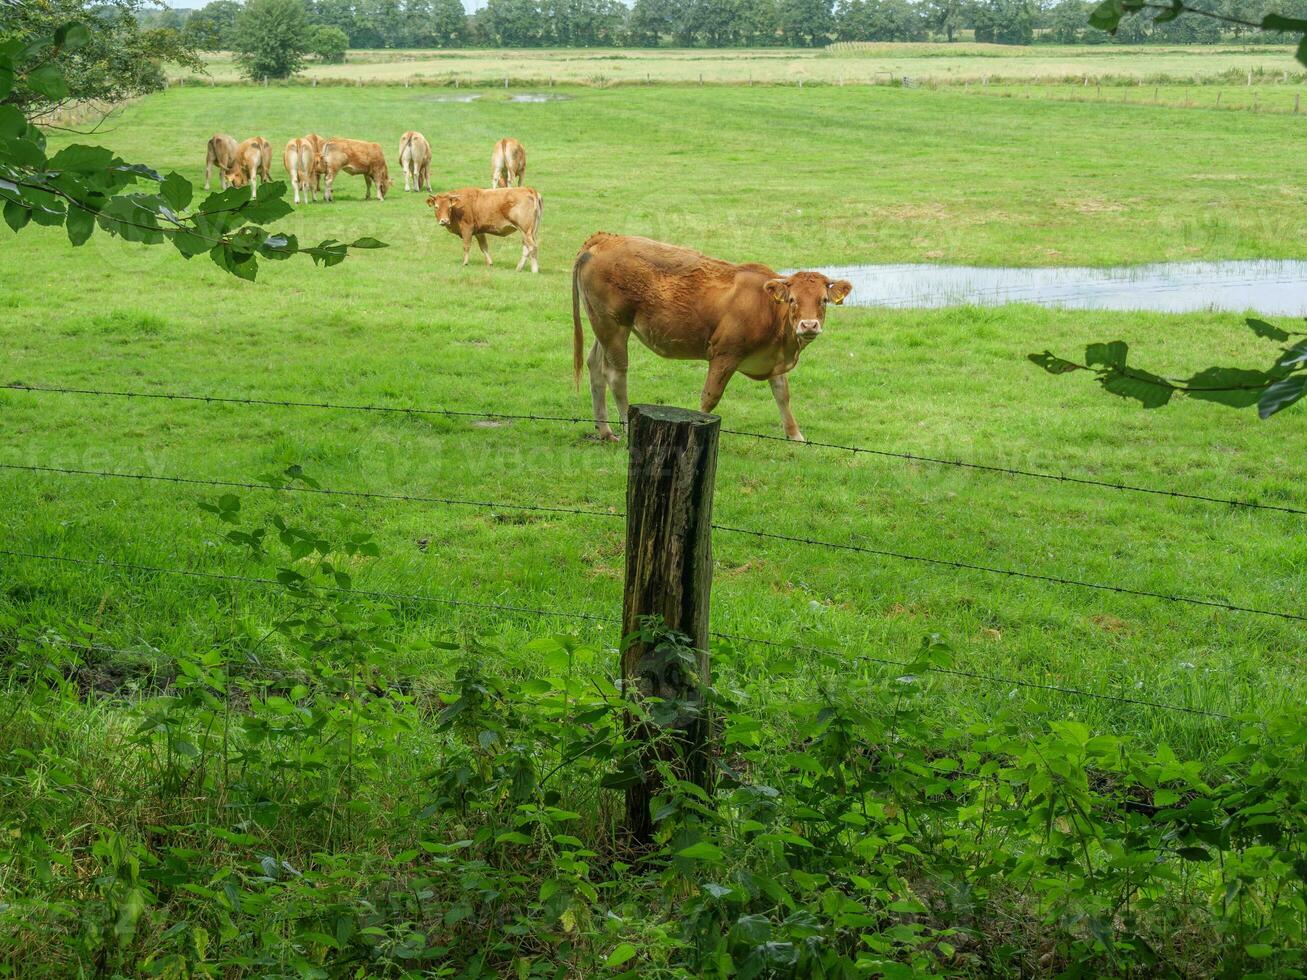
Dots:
pixel 669 493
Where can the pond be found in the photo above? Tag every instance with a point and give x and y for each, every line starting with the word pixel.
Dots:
pixel 1269 286
pixel 538 97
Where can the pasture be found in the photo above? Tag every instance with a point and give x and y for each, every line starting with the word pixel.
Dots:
pixel 881 63
pixel 797 178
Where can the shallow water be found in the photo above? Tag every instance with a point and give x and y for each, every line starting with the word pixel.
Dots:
pixel 470 97
pixel 538 97
pixel 1269 286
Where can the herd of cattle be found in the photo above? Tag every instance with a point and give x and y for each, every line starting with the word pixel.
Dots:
pixel 680 303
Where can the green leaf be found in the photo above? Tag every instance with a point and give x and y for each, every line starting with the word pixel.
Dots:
pixel 701 851
pixel 1258 951
pixel 47 81
pixel 80 224
pixel 621 954
pixel 17 216
pixel 1294 356
pixel 13 123
pixel 1149 390
pixel 176 190
pixel 367 243
pixel 1194 853
pixel 1107 15
pixel 1278 396
pixel 1236 387
pixel 1267 330
pixel 82 159
pixel 1112 355
pixel 71 36
pixel 1051 363
pixel 1278 22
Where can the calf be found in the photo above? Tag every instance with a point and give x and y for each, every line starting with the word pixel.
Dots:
pixel 415 161
pixel 475 213
pixel 299 160
pixel 247 165
pixel 507 163
pixel 685 305
pixel 356 157
pixel 219 152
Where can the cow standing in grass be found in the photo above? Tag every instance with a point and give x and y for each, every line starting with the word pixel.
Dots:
pixel 685 305
pixel 507 164
pixel 300 160
pixel 219 152
pixel 319 166
pixel 475 213
pixel 415 161
pixel 248 165
pixel 356 157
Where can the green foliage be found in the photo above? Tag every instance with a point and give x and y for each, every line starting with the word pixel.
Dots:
pixel 1271 390
pixel 271 38
pixel 462 822
pixel 83 186
pixel 213 26
pixel 116 59
pixel 328 44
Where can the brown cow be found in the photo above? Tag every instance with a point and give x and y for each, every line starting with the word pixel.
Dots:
pixel 415 161
pixel 507 163
pixel 475 213
pixel 356 157
pixel 265 161
pixel 247 165
pixel 685 305
pixel 218 153
pixel 319 166
pixel 299 160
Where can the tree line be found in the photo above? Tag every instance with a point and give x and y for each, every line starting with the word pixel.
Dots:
pixel 700 23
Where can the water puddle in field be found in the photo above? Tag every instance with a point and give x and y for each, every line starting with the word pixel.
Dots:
pixel 1269 286
pixel 536 97
pixel 470 97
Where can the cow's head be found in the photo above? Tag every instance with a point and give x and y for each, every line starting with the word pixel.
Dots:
pixel 445 205
pixel 384 184
pixel 805 295
pixel 501 178
pixel 236 177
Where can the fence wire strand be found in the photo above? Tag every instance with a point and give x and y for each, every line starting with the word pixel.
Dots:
pixel 596 618
pixel 1013 573
pixel 303 488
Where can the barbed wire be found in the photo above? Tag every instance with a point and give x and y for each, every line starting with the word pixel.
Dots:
pixel 1032 474
pixel 292 403
pixel 994 570
pixel 304 488
pixel 991 678
pixel 576 419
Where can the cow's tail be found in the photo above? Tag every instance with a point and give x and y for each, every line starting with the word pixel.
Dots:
pixel 578 333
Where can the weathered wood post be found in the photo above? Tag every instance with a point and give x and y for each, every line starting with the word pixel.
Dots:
pixel 669 493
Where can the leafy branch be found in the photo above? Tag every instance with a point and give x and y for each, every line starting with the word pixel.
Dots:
pixel 83 186
pixel 1108 15
pixel 1271 390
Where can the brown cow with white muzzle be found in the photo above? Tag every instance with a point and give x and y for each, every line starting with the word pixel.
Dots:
pixel 685 305
pixel 471 212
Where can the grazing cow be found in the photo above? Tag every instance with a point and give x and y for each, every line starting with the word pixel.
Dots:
pixel 507 163
pixel 300 161
pixel 219 152
pixel 265 161
pixel 475 213
pixel 415 161
pixel 319 166
pixel 247 165
pixel 356 157
pixel 685 305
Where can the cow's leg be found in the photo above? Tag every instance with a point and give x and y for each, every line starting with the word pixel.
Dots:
pixel 485 249
pixel 367 188
pixel 780 389
pixel 719 372
pixel 615 362
pixel 254 183
pixel 467 245
pixel 408 175
pixel 598 385
pixel 208 172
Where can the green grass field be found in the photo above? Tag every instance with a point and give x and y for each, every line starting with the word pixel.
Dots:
pixel 841 64
pixel 788 177
pixel 248 784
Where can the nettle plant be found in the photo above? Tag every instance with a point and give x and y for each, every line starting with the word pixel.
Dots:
pixel 81 186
